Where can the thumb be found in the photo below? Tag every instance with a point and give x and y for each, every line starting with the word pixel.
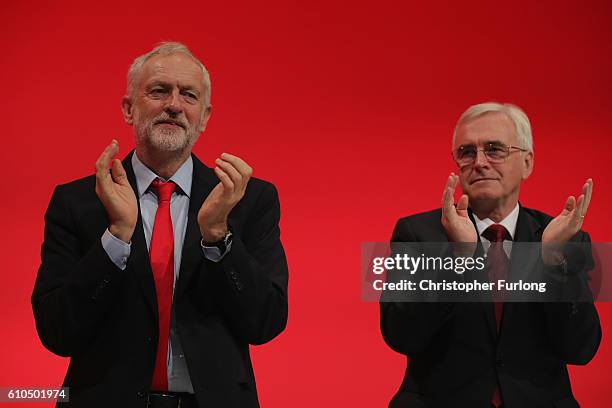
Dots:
pixel 462 205
pixel 569 206
pixel 119 174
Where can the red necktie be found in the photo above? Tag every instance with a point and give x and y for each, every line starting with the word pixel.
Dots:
pixel 499 265
pixel 161 254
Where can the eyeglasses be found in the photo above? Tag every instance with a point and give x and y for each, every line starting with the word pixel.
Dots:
pixel 495 153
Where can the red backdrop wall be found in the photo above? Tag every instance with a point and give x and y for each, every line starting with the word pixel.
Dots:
pixel 348 107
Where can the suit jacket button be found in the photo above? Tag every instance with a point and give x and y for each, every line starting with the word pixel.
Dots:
pixel 140 394
pixel 499 362
pixel 574 310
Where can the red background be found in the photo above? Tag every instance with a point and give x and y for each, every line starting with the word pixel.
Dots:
pixel 348 107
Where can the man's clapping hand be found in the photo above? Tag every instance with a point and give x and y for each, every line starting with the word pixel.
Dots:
pixel 234 175
pixel 455 220
pixel 116 194
pixel 565 225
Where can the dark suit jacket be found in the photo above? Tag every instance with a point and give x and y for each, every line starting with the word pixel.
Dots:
pixel 105 319
pixel 455 357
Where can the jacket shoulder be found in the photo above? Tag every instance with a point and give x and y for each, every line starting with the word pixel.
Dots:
pixel 254 188
pixel 426 217
pixel 79 189
pixel 260 185
pixel 542 218
pixel 423 227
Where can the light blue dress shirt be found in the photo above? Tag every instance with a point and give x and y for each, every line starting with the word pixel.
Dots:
pixel 119 251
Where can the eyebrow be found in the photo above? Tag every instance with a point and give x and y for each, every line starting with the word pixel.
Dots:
pixel 486 142
pixel 168 84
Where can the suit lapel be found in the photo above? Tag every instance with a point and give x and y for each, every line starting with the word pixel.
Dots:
pixel 527 230
pixel 139 257
pixel 524 256
pixel 204 180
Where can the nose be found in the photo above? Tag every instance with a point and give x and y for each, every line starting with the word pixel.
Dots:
pixel 481 159
pixel 173 104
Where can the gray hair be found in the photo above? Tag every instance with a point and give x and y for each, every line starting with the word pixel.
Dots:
pixel 165 48
pixel 516 114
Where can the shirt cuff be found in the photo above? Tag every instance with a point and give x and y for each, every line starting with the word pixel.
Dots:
pixel 117 250
pixel 212 253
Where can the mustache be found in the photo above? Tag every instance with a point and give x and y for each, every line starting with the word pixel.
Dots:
pixel 164 118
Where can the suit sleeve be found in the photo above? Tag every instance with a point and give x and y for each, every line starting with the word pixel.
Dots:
pixel 74 287
pixel 574 327
pixel 253 287
pixel 409 327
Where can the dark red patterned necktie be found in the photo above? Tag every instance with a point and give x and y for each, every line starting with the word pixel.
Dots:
pixel 498 263
pixel 161 254
pixel 499 266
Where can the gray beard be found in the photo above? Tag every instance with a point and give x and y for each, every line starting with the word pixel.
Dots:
pixel 167 140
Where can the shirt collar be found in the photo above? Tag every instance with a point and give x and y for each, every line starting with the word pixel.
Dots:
pixel 145 176
pixel 509 222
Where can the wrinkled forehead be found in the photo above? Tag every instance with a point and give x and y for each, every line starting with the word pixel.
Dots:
pixel 175 69
pixel 489 127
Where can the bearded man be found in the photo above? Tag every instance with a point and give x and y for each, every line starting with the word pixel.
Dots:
pixel 157 275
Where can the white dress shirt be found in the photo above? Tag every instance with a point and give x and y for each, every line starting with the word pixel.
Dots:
pixel 509 223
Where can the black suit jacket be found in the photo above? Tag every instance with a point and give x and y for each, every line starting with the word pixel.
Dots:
pixel 454 355
pixel 105 319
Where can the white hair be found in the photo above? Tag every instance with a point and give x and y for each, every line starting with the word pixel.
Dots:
pixel 516 114
pixel 164 48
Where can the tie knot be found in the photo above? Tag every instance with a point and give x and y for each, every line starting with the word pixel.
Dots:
pixel 163 190
pixel 496 233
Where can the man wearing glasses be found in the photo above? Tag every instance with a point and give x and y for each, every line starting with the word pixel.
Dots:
pixel 482 355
